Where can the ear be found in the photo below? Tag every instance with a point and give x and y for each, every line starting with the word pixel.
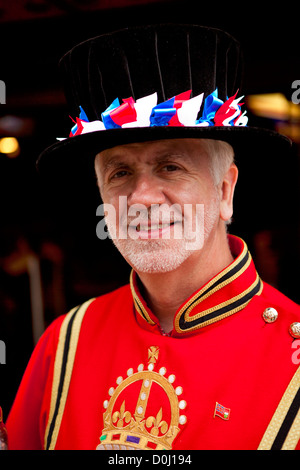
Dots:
pixel 227 187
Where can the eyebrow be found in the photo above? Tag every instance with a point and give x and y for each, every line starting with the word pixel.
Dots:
pixel 115 162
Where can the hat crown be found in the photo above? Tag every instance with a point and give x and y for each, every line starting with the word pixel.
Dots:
pixel 166 59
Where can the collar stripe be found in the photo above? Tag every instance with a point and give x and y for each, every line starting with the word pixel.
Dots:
pixel 138 303
pixel 143 312
pixel 220 311
pixel 224 285
pixel 224 279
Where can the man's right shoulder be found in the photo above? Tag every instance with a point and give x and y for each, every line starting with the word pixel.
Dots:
pixel 100 304
pixel 121 292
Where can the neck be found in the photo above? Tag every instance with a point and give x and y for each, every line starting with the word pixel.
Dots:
pixel 166 292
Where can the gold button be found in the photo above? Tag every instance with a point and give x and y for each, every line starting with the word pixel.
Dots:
pixel 270 315
pixel 294 330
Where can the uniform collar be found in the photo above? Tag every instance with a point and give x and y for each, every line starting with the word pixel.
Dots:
pixel 225 294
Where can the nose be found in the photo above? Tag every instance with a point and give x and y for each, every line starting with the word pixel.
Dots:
pixel 146 190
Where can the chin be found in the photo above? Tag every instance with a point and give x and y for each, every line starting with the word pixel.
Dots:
pixel 157 261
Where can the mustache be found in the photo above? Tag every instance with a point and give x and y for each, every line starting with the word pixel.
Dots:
pixel 155 214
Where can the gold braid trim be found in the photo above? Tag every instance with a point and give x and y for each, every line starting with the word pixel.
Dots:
pixel 58 400
pixel 279 416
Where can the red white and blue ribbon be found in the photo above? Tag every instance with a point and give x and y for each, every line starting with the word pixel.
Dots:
pixel 181 110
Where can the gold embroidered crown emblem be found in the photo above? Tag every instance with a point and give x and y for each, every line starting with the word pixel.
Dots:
pixel 144 409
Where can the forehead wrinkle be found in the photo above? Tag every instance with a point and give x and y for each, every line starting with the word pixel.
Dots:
pixel 112 163
pixel 119 160
pixel 148 153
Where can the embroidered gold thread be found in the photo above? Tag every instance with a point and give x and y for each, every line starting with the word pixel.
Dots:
pixel 281 411
pixel 218 287
pixel 293 436
pixel 213 309
pixel 155 423
pixel 138 425
pixel 136 430
pixel 222 304
pixel 138 302
pixel 121 416
pixel 153 352
pixel 221 274
pixel 57 369
pixel 193 302
pixel 207 286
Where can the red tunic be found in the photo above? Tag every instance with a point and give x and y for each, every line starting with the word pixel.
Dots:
pixel 214 382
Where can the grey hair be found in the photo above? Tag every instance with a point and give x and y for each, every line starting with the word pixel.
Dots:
pixel 221 157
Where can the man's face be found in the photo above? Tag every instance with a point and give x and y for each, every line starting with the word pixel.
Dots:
pixel 165 201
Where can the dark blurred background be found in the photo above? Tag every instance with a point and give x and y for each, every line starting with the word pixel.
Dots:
pixel 50 257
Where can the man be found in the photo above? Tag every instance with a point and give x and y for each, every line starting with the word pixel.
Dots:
pixel 197 352
pixel 170 172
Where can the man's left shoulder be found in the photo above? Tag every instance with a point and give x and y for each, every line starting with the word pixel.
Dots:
pixel 274 298
pixel 278 338
pixel 276 308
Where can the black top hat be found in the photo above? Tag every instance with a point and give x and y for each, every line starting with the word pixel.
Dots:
pixel 165 60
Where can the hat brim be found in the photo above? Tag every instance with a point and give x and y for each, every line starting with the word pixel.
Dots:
pixel 267 168
pixel 76 154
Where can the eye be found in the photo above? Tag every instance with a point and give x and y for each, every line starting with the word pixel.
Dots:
pixel 170 167
pixel 119 174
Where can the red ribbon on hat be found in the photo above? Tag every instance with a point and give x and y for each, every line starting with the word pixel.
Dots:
pixel 79 127
pixel 179 99
pixel 226 111
pixel 124 113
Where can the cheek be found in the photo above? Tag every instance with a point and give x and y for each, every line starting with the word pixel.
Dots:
pixel 196 192
pixel 117 210
pixel 108 196
pixel 206 204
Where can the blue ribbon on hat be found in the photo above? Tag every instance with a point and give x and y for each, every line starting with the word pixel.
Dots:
pixel 162 113
pixel 106 119
pixel 211 105
pixel 83 117
pixel 215 113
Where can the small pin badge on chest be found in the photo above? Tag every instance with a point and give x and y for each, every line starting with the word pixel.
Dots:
pixel 222 412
